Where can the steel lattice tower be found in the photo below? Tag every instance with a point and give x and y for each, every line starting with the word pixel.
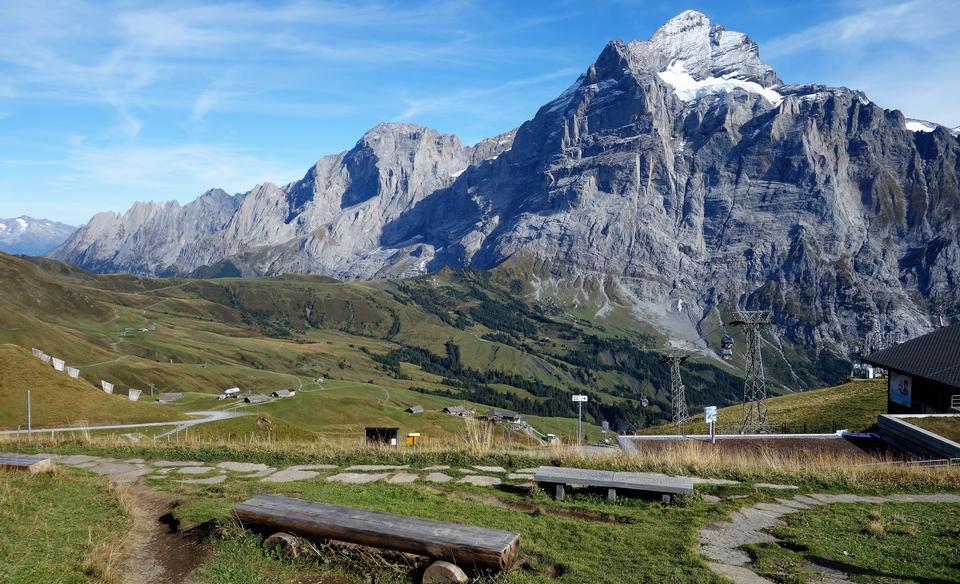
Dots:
pixel 677 390
pixel 754 387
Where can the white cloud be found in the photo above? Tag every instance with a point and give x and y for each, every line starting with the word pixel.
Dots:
pixel 919 22
pixel 903 55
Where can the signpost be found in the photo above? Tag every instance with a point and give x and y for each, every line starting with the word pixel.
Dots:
pixel 29 416
pixel 580 400
pixel 710 417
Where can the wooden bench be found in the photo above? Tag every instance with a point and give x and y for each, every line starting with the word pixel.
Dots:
pixel 469 547
pixel 25 463
pixel 554 479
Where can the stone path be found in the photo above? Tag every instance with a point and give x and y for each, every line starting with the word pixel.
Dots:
pixel 211 473
pixel 720 542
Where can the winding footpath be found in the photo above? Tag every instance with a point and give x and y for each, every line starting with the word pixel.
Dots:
pixel 720 542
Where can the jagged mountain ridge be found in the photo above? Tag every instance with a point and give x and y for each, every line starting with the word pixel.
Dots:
pixel 29 236
pixel 680 172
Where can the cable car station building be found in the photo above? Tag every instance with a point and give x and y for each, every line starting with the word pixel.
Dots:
pixel 924 373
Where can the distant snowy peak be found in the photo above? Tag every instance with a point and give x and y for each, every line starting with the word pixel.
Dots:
pixel 706 51
pixel 26 235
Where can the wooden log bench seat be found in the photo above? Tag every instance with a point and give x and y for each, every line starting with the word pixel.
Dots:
pixel 555 479
pixel 468 547
pixel 25 463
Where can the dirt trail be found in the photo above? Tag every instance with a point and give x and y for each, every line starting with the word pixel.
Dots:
pixel 156 553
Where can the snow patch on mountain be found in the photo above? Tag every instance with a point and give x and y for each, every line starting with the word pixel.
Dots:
pixel 689 89
pixel 23 224
pixel 920 125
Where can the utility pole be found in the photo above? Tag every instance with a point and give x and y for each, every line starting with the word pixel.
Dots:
pixel 677 390
pixel 754 386
pixel 29 416
pixel 580 399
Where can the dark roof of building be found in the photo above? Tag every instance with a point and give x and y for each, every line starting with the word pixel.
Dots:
pixel 497 413
pixel 934 356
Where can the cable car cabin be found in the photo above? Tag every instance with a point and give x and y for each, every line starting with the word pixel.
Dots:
pixel 382 436
pixel 726 354
pixel 727 342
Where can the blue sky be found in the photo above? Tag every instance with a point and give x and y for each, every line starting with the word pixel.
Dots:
pixel 105 103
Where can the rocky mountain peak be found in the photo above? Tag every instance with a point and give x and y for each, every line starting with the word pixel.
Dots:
pixel 704 50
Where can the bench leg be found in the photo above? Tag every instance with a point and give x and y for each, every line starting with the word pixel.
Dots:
pixel 444 573
pixel 558 491
pixel 611 495
pixel 287 544
pixel 665 498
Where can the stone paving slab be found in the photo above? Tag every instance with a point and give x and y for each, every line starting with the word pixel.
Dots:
pixel 403 477
pixel 162 463
pixel 494 469
pixel 243 466
pixel 527 470
pixel 288 476
pixel 480 480
pixel 195 470
pixel 376 467
pixel 313 467
pixel 775 486
pixel 214 480
pixel 129 477
pixel 703 481
pixel 263 473
pixel 439 477
pixel 437 467
pixel 109 468
pixel 355 478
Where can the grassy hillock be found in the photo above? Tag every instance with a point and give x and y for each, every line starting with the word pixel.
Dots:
pixel 452 337
pixel 56 399
pixel 854 405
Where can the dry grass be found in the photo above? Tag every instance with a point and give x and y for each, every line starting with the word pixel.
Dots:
pixel 103 561
pixel 478 437
pixel 828 469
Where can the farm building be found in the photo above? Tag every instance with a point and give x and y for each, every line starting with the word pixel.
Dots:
pixel 255 398
pixel 284 393
pixel 496 415
pixel 462 411
pixel 415 410
pixel 924 373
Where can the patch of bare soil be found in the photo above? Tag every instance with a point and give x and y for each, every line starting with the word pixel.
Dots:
pixel 156 553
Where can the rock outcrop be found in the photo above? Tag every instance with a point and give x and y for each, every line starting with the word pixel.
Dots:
pixel 679 172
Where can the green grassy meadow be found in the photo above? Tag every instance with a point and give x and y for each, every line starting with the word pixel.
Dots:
pixel 854 405
pixel 877 544
pixel 58 527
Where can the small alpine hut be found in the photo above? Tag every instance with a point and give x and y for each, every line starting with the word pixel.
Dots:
pixel 415 410
pixel 462 411
pixel 255 398
pixel 496 415
pixel 284 393
pixel 381 436
pixel 924 373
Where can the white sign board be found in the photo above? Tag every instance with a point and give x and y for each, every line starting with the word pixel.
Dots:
pixel 133 394
pixel 579 398
pixel 107 386
pixel 58 364
pixel 901 390
pixel 73 372
pixel 710 414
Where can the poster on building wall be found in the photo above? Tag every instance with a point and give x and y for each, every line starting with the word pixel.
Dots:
pixel 901 390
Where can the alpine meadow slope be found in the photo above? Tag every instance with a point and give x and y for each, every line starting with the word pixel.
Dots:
pixel 677 179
